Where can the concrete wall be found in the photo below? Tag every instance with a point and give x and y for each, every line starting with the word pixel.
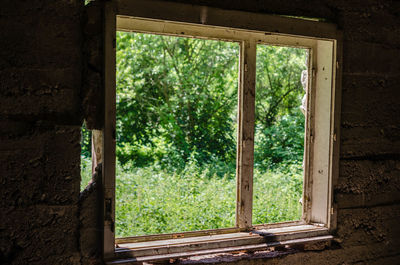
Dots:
pixel 50 73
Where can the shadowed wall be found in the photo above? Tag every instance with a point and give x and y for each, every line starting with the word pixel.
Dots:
pixel 50 78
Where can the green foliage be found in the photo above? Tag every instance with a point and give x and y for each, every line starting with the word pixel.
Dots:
pixel 280 144
pixel 279 128
pixel 86 171
pixel 86 141
pixel 175 92
pixel 278 86
pixel 176 99
pixel 153 201
pixel 277 193
pixel 86 154
pixel 176 134
pixel 150 200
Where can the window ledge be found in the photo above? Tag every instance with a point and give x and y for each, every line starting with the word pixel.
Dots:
pixel 259 239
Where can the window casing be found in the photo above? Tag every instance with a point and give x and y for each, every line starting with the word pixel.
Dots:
pixel 248 29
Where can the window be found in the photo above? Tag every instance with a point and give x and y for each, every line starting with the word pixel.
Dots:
pixel 252 32
pixel 176 134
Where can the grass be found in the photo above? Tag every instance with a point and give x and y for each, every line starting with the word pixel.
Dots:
pixel 153 201
pixel 276 195
pixel 86 171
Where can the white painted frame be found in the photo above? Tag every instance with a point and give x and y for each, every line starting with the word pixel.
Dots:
pixel 248 29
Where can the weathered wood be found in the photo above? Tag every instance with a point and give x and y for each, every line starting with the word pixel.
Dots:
pixel 188 234
pixel 322 137
pixel 308 134
pixel 142 25
pixel 279 225
pixel 245 157
pixel 109 131
pixel 201 233
pixel 252 247
pixel 160 10
pixel 97 148
pixel 335 127
pixel 180 245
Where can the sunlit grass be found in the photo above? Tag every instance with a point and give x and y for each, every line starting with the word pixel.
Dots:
pixel 86 171
pixel 276 195
pixel 154 201
pixel 151 201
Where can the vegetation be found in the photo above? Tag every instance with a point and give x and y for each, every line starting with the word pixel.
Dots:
pixel 152 201
pixel 180 103
pixel 176 134
pixel 86 162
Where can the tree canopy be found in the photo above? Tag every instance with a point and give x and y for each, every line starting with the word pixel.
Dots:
pixel 176 98
pixel 177 128
pixel 177 101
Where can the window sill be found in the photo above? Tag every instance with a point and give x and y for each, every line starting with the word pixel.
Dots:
pixel 258 239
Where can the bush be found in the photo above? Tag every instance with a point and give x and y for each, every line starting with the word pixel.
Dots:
pixel 280 144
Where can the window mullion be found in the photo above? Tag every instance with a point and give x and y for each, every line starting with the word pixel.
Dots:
pixel 245 149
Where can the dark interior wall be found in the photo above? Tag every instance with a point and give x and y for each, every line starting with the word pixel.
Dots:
pixel 46 67
pixel 40 80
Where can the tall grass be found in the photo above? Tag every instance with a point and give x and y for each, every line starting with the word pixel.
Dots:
pixel 276 194
pixel 153 201
pixel 86 171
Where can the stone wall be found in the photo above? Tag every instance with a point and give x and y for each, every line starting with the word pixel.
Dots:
pixel 40 117
pixel 50 78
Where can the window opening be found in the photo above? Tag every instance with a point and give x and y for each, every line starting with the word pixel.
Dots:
pixel 176 108
pixel 279 134
pixel 86 156
pixel 321 146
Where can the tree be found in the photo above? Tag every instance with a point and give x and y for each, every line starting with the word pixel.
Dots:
pixel 175 92
pixel 177 100
pixel 279 121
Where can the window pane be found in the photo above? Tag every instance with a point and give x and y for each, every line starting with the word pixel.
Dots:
pixel 176 134
pixel 279 134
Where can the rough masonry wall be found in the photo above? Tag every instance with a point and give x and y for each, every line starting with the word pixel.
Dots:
pixel 50 75
pixel 40 83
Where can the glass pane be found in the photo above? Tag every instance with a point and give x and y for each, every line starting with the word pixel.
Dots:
pixel 279 134
pixel 176 134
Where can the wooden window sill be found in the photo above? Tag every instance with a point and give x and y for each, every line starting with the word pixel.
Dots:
pixel 259 239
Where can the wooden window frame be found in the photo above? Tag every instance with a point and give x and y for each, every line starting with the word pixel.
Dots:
pixel 321 134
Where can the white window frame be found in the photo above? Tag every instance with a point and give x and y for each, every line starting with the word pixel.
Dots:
pixel 321 134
